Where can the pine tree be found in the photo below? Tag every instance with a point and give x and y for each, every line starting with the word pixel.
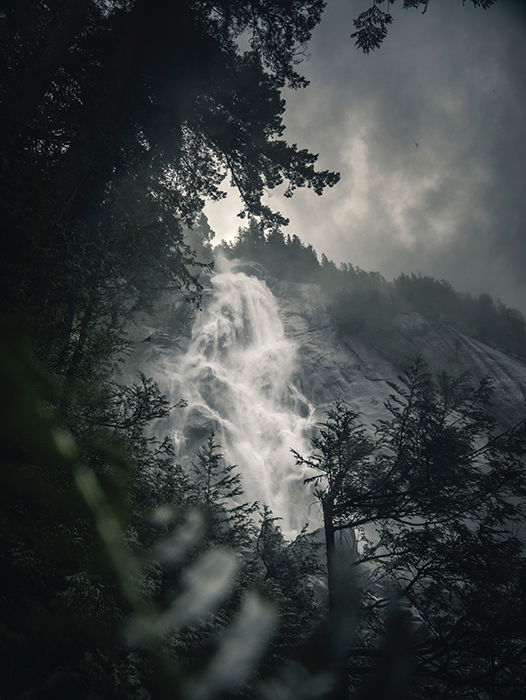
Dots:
pixel 218 490
pixel 434 502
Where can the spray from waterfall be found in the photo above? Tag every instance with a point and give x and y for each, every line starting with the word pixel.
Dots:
pixel 237 376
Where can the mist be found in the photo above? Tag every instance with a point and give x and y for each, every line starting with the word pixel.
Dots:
pixel 245 459
pixel 429 137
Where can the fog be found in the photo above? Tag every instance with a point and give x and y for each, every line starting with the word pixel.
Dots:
pixel 428 135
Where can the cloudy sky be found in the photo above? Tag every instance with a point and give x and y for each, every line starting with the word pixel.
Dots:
pixel 429 135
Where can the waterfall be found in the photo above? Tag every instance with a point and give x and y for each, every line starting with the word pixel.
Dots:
pixel 237 375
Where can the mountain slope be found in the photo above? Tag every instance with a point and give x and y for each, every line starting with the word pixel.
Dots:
pixel 358 366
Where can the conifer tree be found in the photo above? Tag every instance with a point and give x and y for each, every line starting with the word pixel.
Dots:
pixel 434 502
pixel 218 490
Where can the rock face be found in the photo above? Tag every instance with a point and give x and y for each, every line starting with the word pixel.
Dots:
pixel 331 368
pixel 357 367
pixel 263 360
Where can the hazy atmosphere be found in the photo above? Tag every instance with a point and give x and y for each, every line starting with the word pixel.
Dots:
pixel 263 350
pixel 429 136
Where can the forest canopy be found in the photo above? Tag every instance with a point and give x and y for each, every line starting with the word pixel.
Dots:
pixel 365 302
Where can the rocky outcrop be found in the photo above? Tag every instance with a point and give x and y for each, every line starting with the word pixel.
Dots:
pixel 359 367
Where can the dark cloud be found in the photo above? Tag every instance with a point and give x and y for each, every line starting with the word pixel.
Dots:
pixel 429 135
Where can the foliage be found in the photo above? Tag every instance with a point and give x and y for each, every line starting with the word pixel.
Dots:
pixel 371 28
pixel 434 501
pixel 122 589
pixel 126 592
pixel 217 489
pixel 371 25
pixel 119 120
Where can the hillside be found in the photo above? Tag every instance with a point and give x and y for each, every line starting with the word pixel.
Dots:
pixel 265 357
pixel 357 365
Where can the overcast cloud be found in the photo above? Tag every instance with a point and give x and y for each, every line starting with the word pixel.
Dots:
pixel 429 135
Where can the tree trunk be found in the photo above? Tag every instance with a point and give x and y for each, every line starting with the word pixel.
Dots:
pixel 340 618
pixel 78 351
pixel 330 546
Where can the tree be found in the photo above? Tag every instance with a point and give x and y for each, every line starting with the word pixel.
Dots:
pixel 288 576
pixel 341 460
pixel 371 25
pixel 434 501
pixel 141 104
pixel 119 120
pixel 136 113
pixel 217 488
pixel 161 90
pixel 108 587
pixel 199 237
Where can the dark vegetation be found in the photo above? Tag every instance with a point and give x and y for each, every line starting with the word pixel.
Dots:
pixel 119 120
pixel 365 301
pixel 371 26
pixel 124 575
pixel 127 576
pixel 431 503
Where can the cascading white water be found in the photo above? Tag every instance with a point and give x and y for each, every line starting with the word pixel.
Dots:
pixel 237 376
